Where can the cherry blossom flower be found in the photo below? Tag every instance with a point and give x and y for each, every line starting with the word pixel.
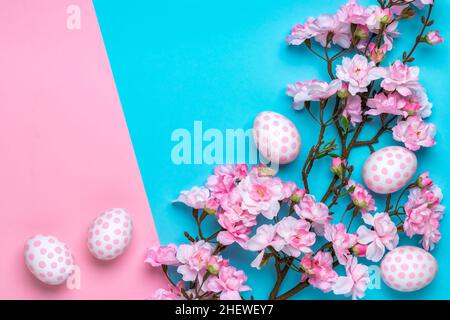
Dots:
pixel 326 24
pixel 265 237
pixel 423 215
pixel 356 281
pixel 313 90
pixel 225 179
pixel 422 3
pixel 162 255
pixel 342 241
pixel 172 293
pixel 389 104
pixel 193 258
pixel 358 72
pixel 230 282
pixel 352 13
pixel 383 236
pixel 288 190
pixel 323 90
pixel 261 195
pixel 401 78
pixel 352 110
pixel 316 212
pixel 301 32
pixel 318 271
pixel 433 37
pixel 378 17
pixel 415 133
pixel 296 236
pixel 195 198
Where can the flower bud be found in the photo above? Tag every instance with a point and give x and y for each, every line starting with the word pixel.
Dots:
pixel 338 167
pixel 433 37
pixel 211 206
pixel 359 250
pixel 298 195
pixel 361 32
pixel 424 181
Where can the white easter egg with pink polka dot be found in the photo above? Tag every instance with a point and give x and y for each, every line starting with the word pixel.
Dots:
pixel 48 259
pixel 408 269
pixel 276 137
pixel 110 234
pixel 389 169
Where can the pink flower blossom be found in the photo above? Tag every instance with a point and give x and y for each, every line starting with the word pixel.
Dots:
pixel 352 13
pixel 361 197
pixel 162 255
pixel 378 17
pixel 384 235
pixel 423 215
pixel 265 237
pixel 301 32
pixel 323 90
pixel 401 78
pixel 261 195
pixel 318 270
pixel 327 24
pixel 316 212
pixel 193 258
pixel 342 241
pixel 356 281
pixel 195 198
pixel 313 90
pixel 230 282
pixel 422 3
pixel 389 104
pixel 415 133
pixel 433 37
pixel 358 72
pixel 172 293
pixel 424 181
pixel 236 221
pixel 296 236
pixel 225 179
pixel 352 109
pixel 288 190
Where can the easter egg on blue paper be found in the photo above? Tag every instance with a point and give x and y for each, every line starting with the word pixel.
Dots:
pixel 276 137
pixel 389 169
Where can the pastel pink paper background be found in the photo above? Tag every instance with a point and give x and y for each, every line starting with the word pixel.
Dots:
pixel 66 154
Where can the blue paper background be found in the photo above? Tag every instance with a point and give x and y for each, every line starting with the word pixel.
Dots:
pixel 222 62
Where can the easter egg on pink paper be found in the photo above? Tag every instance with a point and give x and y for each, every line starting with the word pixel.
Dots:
pixel 408 269
pixel 48 259
pixel 389 169
pixel 276 137
pixel 110 234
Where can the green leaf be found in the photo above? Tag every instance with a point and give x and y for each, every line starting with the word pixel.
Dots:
pixel 345 123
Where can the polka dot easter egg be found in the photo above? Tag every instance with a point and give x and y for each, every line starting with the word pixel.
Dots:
pixel 408 269
pixel 389 169
pixel 49 259
pixel 110 234
pixel 276 137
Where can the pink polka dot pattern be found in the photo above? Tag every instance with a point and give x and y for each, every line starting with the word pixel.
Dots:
pixel 276 137
pixel 408 269
pixel 389 169
pixel 110 234
pixel 48 259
